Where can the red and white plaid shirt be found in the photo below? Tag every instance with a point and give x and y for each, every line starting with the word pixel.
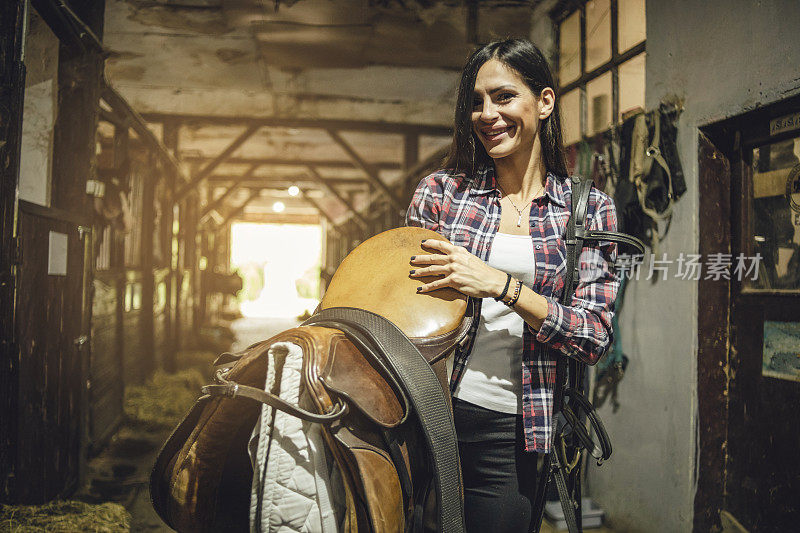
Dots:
pixel 467 212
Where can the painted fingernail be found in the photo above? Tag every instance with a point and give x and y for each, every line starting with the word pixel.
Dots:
pixel 411 272
pixel 413 257
pixel 419 289
pixel 423 241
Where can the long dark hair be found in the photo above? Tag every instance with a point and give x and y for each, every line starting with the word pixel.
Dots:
pixel 466 152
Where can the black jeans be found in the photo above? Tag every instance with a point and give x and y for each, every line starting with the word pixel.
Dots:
pixel 499 475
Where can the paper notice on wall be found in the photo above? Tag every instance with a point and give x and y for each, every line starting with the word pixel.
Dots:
pixel 57 254
pixel 781 350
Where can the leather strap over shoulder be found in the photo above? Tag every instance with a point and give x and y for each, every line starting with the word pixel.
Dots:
pixel 575 234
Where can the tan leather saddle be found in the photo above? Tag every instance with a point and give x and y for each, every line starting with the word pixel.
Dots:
pixel 374 367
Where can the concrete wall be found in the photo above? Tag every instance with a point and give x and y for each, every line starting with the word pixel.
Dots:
pixel 723 58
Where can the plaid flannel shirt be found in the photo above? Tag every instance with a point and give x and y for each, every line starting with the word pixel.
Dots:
pixel 467 212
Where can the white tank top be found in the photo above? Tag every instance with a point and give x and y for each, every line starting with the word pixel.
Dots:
pixel 493 375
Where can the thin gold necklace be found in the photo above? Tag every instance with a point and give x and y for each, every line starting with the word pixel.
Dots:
pixel 519 211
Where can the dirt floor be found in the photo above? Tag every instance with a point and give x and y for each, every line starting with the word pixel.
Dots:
pixel 120 473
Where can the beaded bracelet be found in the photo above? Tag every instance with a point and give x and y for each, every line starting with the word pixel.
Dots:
pixel 505 289
pixel 517 292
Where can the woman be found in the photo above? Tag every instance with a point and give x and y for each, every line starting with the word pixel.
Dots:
pixel 503 202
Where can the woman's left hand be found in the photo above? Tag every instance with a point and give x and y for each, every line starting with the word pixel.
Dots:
pixel 460 269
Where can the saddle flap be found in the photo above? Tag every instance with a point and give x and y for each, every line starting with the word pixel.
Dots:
pixel 364 383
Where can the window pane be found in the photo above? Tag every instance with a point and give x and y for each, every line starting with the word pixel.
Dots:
pixel 598 33
pixel 631 84
pixel 598 96
pixel 569 49
pixel 775 229
pixel 631 20
pixel 571 116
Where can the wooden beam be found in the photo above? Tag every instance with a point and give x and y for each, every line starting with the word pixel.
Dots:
pixel 170 136
pixel 146 324
pixel 319 179
pixel 278 161
pixel 217 202
pixel 368 169
pixel 426 165
pixel 410 151
pixel 123 109
pixel 80 71
pixel 68 26
pixel 319 208
pixel 12 91
pixel 284 181
pixel 217 161
pixel 410 160
pixel 236 212
pixel 109 116
pixel 311 123
pixel 122 162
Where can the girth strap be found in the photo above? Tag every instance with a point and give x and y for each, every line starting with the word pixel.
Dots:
pixel 426 396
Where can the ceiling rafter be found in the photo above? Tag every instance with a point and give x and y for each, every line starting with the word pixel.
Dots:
pixel 217 202
pixel 427 164
pixel 304 123
pixel 130 118
pixel 319 208
pixel 350 207
pixel 217 161
pixel 365 167
pixel 288 179
pixel 254 193
pixel 277 161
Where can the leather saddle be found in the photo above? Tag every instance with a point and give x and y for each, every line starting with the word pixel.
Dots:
pixel 374 368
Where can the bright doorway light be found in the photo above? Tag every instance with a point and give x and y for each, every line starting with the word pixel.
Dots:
pixel 280 264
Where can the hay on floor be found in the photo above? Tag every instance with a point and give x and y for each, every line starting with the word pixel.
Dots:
pixel 64 517
pixel 163 400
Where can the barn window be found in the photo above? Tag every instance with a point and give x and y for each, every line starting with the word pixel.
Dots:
pixel 600 64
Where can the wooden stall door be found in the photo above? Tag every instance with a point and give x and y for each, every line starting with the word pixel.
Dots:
pixel 763 471
pixel 52 370
pixel 106 391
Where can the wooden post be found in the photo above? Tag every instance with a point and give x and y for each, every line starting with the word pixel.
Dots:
pixel 192 258
pixel 79 77
pixel 171 136
pixel 410 160
pixel 122 168
pixel 146 261
pixel 12 87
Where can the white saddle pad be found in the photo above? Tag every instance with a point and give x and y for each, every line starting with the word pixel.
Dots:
pixel 296 488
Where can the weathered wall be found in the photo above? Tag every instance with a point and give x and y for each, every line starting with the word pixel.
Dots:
pixel 723 58
pixel 39 114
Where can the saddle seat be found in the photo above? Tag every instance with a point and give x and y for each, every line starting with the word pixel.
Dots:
pixel 202 477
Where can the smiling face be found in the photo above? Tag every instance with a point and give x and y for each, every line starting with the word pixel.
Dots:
pixel 505 113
